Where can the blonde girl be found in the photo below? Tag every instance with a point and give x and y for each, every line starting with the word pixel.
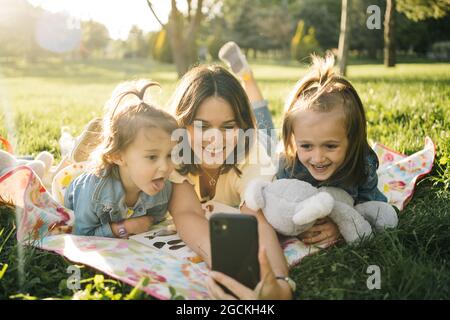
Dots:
pixel 128 189
pixel 325 143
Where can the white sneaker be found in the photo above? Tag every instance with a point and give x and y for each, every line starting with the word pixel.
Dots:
pixel 89 139
pixel 231 54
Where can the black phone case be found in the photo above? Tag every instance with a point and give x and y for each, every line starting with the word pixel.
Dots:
pixel 234 247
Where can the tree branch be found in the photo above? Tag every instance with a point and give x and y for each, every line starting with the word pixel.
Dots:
pixel 198 17
pixel 189 3
pixel 198 13
pixel 194 24
pixel 149 3
pixel 210 5
pixel 174 7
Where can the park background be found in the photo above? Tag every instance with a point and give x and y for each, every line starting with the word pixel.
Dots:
pixel 58 68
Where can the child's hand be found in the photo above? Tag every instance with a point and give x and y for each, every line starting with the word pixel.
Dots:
pixel 324 231
pixel 138 224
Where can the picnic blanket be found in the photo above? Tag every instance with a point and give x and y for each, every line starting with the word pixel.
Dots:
pixel 41 219
pixel 398 173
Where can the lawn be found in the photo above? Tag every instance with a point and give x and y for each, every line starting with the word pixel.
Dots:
pixel 403 105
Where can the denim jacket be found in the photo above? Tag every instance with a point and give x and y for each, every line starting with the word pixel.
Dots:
pixel 367 191
pixel 99 201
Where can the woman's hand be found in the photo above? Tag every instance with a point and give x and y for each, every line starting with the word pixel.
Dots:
pixel 268 288
pixel 138 224
pixel 324 231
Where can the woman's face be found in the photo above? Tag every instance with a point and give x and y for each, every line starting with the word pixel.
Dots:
pixel 212 135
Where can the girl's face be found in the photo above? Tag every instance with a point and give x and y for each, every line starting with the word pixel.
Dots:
pixel 213 132
pixel 321 141
pixel 146 163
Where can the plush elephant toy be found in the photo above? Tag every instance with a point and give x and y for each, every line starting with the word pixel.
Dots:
pixel 292 206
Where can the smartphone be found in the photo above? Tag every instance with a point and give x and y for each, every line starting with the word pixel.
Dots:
pixel 234 247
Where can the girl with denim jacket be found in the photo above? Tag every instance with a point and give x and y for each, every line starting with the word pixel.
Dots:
pixel 128 189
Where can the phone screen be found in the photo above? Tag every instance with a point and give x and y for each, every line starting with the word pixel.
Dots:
pixel 234 247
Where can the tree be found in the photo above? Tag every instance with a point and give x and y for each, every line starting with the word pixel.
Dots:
pixel 161 50
pixel 18 21
pixel 182 32
pixel 421 35
pixel 343 38
pixel 276 28
pixel 138 46
pixel 214 34
pixel 323 15
pixel 389 34
pixel 260 25
pixel 95 37
pixel 244 23
pixel 365 41
pixel 418 10
pixel 303 44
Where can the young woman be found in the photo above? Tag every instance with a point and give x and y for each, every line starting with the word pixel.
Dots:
pixel 222 154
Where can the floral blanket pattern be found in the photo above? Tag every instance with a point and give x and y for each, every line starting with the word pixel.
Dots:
pixel 37 213
pixel 399 173
pixel 129 261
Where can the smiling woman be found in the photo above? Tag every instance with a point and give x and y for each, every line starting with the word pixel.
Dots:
pixel 213 107
pixel 209 98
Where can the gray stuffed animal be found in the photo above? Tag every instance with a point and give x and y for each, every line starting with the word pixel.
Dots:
pixel 292 206
pixel 40 165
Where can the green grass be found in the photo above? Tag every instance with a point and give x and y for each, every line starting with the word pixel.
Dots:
pixel 403 105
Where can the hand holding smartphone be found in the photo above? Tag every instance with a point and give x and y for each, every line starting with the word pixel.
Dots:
pixel 234 247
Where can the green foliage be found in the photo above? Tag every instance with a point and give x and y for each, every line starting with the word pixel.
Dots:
pixel 245 26
pixel 367 42
pixel 302 44
pixel 174 295
pixel 214 44
pixel 161 49
pixel 441 50
pixel 138 45
pixel 212 35
pixel 323 15
pixel 94 37
pixel 422 9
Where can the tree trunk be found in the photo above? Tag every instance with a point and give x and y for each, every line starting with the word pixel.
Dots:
pixel 344 38
pixel 175 33
pixel 182 33
pixel 389 34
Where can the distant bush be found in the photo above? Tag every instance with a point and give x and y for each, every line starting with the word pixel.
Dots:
pixel 440 51
pixel 302 45
pixel 161 50
pixel 214 44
